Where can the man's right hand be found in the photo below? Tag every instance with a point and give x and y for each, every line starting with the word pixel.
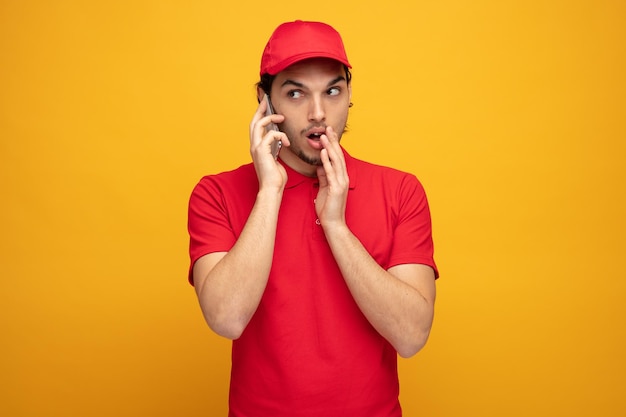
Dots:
pixel 269 171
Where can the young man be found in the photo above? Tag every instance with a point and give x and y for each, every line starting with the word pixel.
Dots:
pixel 319 266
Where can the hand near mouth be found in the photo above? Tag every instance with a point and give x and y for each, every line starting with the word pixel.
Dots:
pixel 314 136
pixel 330 204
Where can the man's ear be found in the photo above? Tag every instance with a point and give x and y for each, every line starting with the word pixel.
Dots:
pixel 350 94
pixel 259 93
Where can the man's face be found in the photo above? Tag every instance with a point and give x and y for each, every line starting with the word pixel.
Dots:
pixel 312 95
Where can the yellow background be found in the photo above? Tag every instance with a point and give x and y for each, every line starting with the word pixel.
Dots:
pixel 512 113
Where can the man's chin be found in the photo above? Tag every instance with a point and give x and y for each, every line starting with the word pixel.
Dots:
pixel 310 159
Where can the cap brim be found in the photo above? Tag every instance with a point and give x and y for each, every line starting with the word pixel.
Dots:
pixel 281 66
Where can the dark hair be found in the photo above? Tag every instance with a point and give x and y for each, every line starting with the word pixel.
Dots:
pixel 266 80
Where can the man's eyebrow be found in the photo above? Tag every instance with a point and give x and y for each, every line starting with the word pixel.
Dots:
pixel 300 85
pixel 292 82
pixel 336 80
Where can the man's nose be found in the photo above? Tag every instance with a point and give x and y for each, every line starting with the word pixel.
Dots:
pixel 316 110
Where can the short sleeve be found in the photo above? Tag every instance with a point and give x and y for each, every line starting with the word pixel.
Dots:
pixel 413 241
pixel 208 221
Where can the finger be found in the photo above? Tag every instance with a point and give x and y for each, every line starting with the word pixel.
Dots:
pixel 329 174
pixel 260 131
pixel 277 136
pixel 260 120
pixel 321 177
pixel 256 131
pixel 331 142
pixel 258 115
pixel 335 156
pixel 271 137
pixel 332 135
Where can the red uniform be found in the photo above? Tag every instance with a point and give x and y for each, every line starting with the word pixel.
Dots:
pixel 308 350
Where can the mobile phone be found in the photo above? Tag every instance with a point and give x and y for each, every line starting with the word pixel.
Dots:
pixel 277 144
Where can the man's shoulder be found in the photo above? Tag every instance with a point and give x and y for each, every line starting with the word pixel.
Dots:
pixel 238 175
pixel 370 170
pixel 240 180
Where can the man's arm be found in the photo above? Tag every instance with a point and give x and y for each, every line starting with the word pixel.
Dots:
pixel 229 285
pixel 399 302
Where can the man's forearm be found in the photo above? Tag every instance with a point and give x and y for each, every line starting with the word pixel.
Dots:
pixel 399 304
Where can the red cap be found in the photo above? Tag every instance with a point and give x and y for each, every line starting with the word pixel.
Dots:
pixel 294 41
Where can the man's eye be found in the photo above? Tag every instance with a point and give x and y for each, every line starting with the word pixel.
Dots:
pixel 334 91
pixel 295 94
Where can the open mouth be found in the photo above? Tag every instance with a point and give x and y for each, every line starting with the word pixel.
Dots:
pixel 314 139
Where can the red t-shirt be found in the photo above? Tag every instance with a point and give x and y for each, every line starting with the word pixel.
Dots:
pixel 308 350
